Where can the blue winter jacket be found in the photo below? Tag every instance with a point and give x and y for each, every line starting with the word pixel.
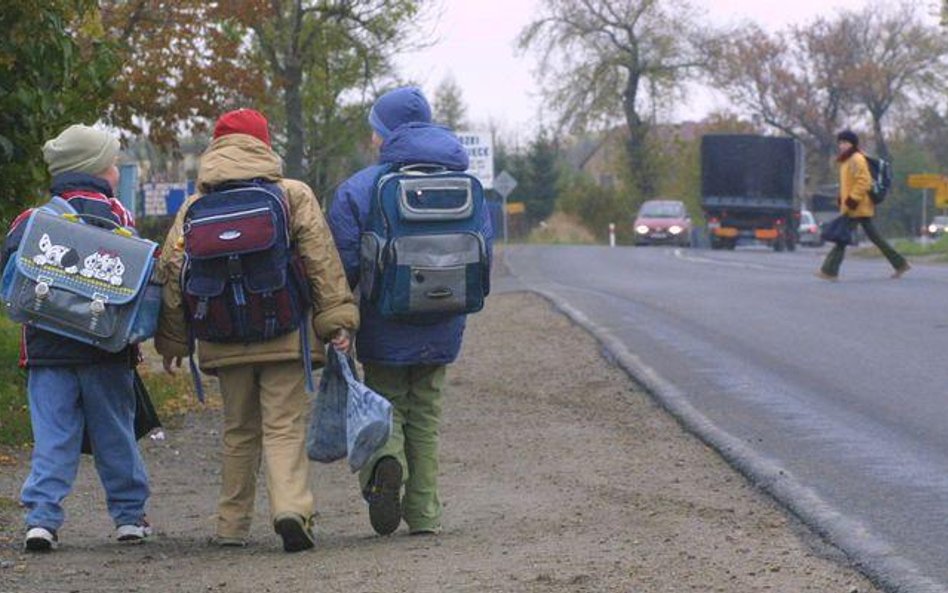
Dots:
pixel 380 340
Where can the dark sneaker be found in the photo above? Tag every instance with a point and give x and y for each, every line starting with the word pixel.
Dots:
pixel 297 532
pixel 40 539
pixel 898 273
pixel 133 533
pixel 383 496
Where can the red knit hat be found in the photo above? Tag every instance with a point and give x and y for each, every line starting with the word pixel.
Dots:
pixel 243 121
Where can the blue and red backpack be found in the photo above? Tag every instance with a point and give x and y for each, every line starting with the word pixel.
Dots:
pixel 242 280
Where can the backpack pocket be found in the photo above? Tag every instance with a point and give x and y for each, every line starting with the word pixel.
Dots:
pixel 43 300
pixel 435 199
pixel 435 275
pixel 231 233
pixel 208 313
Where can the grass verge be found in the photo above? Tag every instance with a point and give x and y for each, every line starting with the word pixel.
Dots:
pixel 933 252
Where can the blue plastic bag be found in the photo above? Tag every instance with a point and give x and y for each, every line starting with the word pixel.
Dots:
pixel 368 419
pixel 326 437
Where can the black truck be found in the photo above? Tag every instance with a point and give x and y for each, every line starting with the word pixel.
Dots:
pixel 751 189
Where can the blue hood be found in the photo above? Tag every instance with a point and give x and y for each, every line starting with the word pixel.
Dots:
pixel 424 143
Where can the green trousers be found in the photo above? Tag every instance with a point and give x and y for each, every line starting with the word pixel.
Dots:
pixel 834 259
pixel 415 392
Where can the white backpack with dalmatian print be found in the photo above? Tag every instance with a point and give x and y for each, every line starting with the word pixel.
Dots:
pixel 81 280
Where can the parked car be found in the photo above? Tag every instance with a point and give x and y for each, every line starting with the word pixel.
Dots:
pixel 809 231
pixel 664 222
pixel 938 226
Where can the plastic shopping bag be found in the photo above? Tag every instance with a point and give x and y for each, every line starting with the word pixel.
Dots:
pixel 326 437
pixel 368 420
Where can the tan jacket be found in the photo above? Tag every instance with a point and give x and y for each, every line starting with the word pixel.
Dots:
pixel 855 181
pixel 239 156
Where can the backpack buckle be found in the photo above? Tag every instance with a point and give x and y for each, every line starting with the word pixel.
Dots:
pixel 234 266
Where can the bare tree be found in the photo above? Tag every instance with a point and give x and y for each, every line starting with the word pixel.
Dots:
pixel 602 60
pixel 895 59
pixel 791 81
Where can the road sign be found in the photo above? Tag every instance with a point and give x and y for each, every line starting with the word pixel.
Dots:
pixel 941 197
pixel 504 184
pixel 516 208
pixel 927 180
pixel 480 153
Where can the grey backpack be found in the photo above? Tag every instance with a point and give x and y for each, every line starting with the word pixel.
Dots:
pixel 82 281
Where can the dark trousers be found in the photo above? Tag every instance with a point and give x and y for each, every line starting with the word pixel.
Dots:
pixel 834 258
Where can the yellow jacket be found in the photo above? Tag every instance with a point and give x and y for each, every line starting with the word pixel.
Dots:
pixel 240 156
pixel 855 181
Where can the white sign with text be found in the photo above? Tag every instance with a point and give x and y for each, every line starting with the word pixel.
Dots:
pixel 480 151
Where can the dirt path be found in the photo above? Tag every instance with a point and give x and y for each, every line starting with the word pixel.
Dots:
pixel 558 474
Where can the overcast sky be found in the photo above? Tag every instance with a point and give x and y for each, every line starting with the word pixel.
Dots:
pixel 477 47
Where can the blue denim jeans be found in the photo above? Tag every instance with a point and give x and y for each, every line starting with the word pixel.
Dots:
pixel 64 401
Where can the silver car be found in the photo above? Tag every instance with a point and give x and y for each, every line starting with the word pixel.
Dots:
pixel 809 230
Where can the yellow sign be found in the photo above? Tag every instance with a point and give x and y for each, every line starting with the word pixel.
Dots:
pixel 941 197
pixel 516 208
pixel 939 183
pixel 926 180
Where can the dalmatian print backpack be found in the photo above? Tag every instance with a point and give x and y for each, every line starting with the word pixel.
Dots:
pixel 82 281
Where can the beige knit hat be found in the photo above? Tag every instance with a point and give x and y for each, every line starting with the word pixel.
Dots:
pixel 81 149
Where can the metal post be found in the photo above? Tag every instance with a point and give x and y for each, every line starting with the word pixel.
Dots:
pixel 505 219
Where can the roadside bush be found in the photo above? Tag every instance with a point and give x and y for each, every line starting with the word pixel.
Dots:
pixel 597 206
pixel 14 414
pixel 562 228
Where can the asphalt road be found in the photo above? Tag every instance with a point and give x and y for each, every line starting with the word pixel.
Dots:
pixel 832 396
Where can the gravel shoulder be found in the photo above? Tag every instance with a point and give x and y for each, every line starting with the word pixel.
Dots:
pixel 558 474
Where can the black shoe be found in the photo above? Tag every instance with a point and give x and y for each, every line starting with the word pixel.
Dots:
pixel 40 539
pixel 383 496
pixel 297 532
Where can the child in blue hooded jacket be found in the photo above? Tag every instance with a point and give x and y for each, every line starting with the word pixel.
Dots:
pixel 405 363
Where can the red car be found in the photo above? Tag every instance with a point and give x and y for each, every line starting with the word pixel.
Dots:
pixel 663 222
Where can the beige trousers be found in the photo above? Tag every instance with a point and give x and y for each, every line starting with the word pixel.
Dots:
pixel 265 411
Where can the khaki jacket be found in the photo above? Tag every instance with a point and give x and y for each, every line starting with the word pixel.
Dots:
pixel 240 156
pixel 855 181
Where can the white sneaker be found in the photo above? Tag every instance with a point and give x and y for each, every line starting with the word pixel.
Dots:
pixel 133 533
pixel 40 539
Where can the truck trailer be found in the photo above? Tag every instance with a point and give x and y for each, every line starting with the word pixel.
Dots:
pixel 751 189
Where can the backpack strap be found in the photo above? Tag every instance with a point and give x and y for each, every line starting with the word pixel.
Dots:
pixel 195 372
pixel 306 354
pixel 59 205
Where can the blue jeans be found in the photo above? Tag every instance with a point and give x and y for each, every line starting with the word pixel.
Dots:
pixel 65 401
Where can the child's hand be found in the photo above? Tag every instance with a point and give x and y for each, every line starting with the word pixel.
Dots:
pixel 341 340
pixel 169 362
